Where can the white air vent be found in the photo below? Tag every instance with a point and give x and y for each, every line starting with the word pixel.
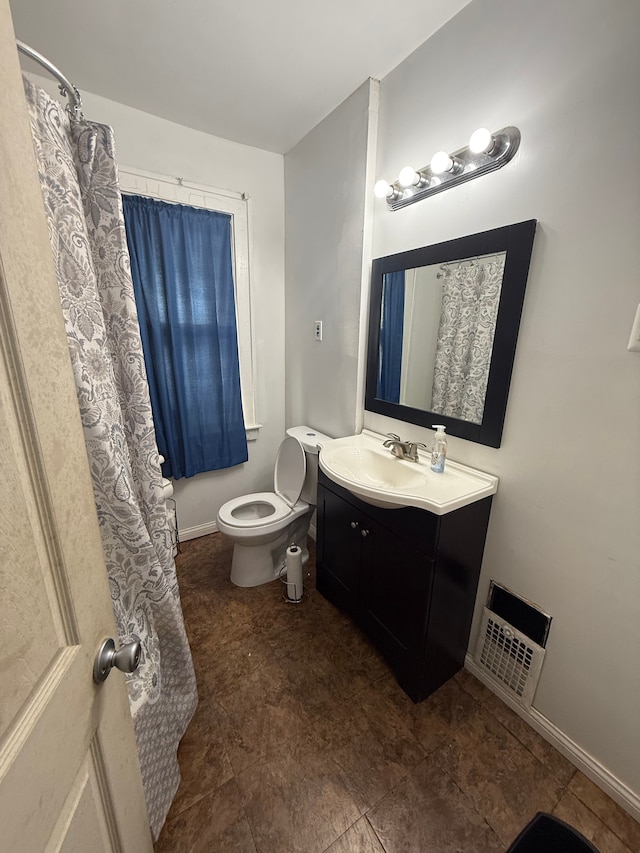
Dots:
pixel 510 658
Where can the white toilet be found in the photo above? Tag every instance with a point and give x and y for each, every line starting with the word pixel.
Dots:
pixel 262 525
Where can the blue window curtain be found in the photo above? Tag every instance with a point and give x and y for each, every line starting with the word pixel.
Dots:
pixel 390 347
pixel 183 281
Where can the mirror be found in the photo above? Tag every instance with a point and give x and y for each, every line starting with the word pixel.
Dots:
pixel 443 326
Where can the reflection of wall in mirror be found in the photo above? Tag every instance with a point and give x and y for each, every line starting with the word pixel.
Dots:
pixel 422 305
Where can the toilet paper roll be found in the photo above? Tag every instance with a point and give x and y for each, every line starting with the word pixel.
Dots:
pixel 294 573
pixel 167 488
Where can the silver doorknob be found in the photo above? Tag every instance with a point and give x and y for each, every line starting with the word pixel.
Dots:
pixel 354 525
pixel 126 659
pixel 364 533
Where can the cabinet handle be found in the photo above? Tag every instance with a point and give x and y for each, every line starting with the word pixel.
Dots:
pixel 354 525
pixel 364 533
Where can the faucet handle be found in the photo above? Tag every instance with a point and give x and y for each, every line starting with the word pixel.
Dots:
pixel 392 441
pixel 412 452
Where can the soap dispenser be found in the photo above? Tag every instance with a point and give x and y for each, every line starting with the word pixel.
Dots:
pixel 439 450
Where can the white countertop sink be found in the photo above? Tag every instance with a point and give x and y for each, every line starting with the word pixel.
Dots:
pixel 360 464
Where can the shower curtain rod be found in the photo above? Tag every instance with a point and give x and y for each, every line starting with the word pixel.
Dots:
pixel 67 89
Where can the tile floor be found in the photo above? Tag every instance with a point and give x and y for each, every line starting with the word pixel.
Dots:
pixel 304 743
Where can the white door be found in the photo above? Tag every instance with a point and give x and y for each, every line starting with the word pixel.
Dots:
pixel 69 775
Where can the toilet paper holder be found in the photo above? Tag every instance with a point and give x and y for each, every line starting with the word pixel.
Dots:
pixel 291 575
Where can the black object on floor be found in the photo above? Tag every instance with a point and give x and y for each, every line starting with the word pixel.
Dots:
pixel 549 834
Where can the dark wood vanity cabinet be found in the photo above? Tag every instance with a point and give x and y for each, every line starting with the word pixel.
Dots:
pixel 406 576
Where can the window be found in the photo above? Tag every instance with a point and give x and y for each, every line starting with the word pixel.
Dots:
pixel 138 182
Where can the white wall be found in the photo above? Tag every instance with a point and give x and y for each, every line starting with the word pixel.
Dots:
pixel 156 145
pixel 326 177
pixel 565 524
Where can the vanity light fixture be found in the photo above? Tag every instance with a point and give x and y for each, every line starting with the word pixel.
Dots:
pixel 383 189
pixel 408 177
pixel 441 162
pixel 481 141
pixel 485 152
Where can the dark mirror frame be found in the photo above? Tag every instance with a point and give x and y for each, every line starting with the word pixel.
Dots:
pixel 517 241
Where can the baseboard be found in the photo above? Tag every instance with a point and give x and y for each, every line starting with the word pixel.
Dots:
pixel 185 533
pixel 211 527
pixel 603 778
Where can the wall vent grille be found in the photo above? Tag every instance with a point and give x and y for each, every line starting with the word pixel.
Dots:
pixel 509 657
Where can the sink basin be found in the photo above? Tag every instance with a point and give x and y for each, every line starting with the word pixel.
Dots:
pixel 367 466
pixel 360 464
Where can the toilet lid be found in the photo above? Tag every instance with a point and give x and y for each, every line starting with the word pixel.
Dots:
pixel 290 470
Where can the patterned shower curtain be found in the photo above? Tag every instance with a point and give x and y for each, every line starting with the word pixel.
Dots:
pixel 470 301
pixel 78 177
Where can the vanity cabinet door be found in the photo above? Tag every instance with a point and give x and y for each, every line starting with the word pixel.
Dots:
pixel 340 546
pixel 395 596
pixel 380 579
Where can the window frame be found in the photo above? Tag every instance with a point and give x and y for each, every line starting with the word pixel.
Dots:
pixel 177 191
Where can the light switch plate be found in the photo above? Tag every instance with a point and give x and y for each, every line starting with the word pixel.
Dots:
pixel 634 340
pixel 317 329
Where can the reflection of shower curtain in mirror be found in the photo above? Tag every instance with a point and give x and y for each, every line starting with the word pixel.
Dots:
pixel 82 202
pixel 470 299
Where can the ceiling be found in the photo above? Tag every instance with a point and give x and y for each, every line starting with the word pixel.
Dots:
pixel 263 74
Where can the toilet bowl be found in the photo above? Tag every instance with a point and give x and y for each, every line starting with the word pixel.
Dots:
pixel 263 524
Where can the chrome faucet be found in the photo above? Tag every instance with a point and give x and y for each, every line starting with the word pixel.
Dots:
pixel 403 449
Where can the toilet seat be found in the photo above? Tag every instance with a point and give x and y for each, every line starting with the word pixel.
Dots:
pixel 262 509
pixel 240 513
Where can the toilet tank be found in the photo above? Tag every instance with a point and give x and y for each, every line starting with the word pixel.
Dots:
pixel 311 440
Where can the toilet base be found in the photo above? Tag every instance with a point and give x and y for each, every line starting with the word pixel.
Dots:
pixel 254 565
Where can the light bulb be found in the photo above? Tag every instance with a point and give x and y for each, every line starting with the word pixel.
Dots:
pixel 408 177
pixel 382 189
pixel 481 141
pixel 441 162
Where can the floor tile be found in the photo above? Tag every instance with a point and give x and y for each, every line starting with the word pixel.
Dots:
pixel 203 758
pixel 548 755
pixel 321 673
pixel 359 838
pixel 296 803
pixel 428 812
pixel 214 823
pixel 473 686
pixel 374 751
pixel 622 824
pixel 436 720
pixel 504 781
pixel 223 667
pixel 260 719
pixel 577 815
